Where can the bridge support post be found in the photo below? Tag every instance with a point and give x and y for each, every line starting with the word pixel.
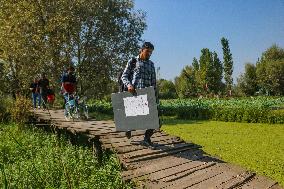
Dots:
pixel 97 148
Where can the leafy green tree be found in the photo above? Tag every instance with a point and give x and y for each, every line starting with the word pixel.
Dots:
pixel 185 83
pixel 195 65
pixel 207 73
pixel 197 76
pixel 210 72
pixel 270 71
pixel 166 89
pixel 216 74
pixel 247 82
pixel 2 87
pixel 228 65
pixel 272 53
pixel 205 63
pixel 270 77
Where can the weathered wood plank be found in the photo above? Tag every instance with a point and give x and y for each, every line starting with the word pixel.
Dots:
pixel 235 181
pixel 162 164
pixel 145 152
pixel 132 163
pixel 188 154
pixel 259 182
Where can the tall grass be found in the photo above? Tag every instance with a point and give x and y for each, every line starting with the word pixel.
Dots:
pixel 31 158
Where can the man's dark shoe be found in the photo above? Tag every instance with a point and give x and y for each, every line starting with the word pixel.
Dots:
pixel 128 134
pixel 147 142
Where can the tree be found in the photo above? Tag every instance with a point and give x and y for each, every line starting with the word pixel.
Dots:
pixel 216 74
pixel 185 83
pixel 228 65
pixel 2 79
pixel 97 37
pixel 197 76
pixel 247 82
pixel 272 53
pixel 270 71
pixel 166 89
pixel 210 71
pixel 202 78
pixel 205 61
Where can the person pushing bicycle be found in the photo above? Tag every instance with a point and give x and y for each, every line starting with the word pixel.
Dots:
pixel 68 85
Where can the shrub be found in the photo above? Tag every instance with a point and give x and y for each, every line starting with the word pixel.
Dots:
pixel 5 104
pixel 100 106
pixel 275 116
pixel 250 110
pixel 20 110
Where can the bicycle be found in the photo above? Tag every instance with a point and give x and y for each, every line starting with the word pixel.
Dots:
pixel 83 108
pixel 74 107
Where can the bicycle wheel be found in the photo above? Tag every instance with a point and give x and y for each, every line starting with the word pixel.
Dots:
pixel 86 112
pixel 76 113
pixel 68 113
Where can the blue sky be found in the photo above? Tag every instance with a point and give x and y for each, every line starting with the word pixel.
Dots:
pixel 179 29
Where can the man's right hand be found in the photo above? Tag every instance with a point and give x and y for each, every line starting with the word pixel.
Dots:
pixel 130 89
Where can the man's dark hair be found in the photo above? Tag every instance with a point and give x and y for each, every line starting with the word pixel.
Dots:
pixel 148 45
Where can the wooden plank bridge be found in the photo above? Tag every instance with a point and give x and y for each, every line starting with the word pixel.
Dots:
pixel 170 163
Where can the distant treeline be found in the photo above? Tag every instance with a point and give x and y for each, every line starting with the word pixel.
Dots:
pixel 204 77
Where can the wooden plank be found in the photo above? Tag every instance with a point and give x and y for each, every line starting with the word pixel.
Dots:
pixel 132 148
pixel 163 179
pixel 98 133
pixel 180 172
pixel 276 186
pixel 188 154
pixel 155 136
pixel 122 134
pixel 235 181
pixel 109 129
pixel 204 178
pixel 162 164
pixel 258 182
pixel 194 178
pixel 104 130
pixel 210 181
pixel 184 182
pixel 97 124
pixel 125 142
pixel 173 173
pixel 132 162
pixel 91 129
pixel 145 152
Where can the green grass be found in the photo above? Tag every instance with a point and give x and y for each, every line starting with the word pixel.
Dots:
pixel 256 147
pixel 32 158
